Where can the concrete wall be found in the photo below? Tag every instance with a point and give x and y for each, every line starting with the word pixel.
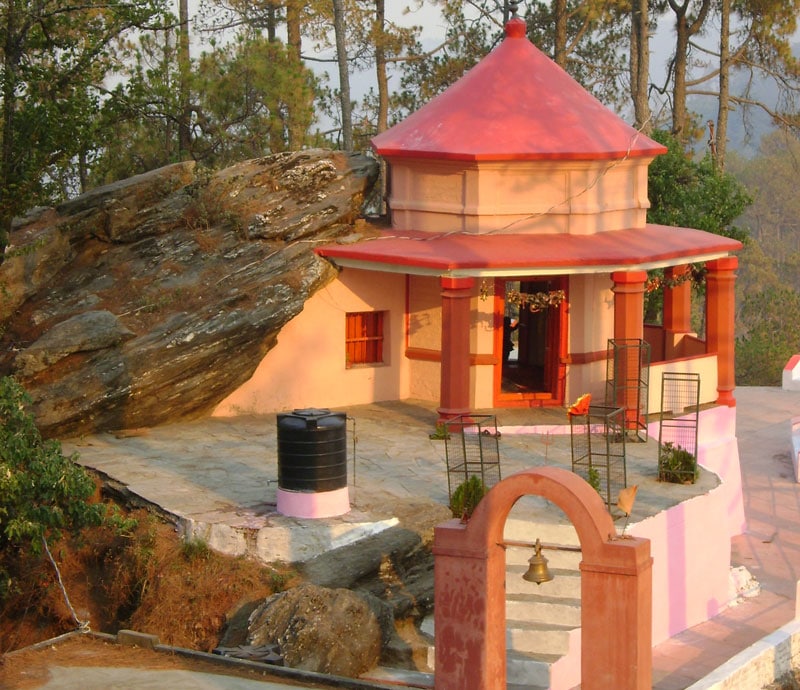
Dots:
pixel 760 664
pixel 518 196
pixel 591 324
pixel 307 367
pixel 705 365
pixel 690 543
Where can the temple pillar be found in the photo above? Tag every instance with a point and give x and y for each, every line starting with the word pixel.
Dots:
pixel 720 312
pixel 456 327
pixel 677 321
pixel 629 326
pixel 629 304
pixel 616 619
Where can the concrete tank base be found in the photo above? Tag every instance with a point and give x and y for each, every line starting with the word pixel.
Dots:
pixel 308 504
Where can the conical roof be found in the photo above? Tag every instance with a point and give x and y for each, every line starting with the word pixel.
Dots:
pixel 515 104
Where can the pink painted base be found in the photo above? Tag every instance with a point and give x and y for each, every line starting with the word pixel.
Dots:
pixel 304 504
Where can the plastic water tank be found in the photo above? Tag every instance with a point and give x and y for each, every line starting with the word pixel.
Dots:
pixel 312 450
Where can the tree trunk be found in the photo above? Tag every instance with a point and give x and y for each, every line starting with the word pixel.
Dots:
pixel 293 27
pixel 272 21
pixel 724 85
pixel 380 66
pixel 344 74
pixel 679 113
pixel 640 65
pixel 560 41
pixel 11 58
pixel 184 67
pixel 684 30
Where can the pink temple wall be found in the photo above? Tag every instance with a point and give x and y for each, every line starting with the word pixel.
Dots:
pixel 307 366
pixel 691 542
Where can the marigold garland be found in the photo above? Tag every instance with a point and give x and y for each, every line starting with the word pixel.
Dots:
pixel 695 274
pixel 533 301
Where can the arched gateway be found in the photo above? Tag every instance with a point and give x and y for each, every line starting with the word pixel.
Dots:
pixel 616 589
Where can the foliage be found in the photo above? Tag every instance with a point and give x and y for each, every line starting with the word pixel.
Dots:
pixel 676 465
pixel 250 97
pixel 42 492
pixel 145 578
pixel 441 433
pixel 137 129
pixel 593 478
pixel 254 98
pixel 768 282
pixel 771 178
pixel 425 75
pixel 55 58
pixel 692 194
pixel 769 334
pixel 594 52
pixel 195 549
pixel 466 497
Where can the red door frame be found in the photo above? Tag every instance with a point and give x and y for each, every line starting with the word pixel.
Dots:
pixel 557 346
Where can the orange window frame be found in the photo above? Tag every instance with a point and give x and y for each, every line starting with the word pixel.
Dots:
pixel 364 337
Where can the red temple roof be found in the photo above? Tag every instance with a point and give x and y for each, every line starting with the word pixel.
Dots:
pixel 653 246
pixel 515 104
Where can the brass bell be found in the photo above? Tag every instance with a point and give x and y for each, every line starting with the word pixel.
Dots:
pixel 537 570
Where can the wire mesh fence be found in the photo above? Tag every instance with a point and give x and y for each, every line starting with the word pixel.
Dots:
pixel 598 450
pixel 472 449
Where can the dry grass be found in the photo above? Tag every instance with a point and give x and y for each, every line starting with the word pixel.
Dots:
pixel 147 580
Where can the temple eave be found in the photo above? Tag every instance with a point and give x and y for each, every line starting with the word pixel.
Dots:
pixel 497 255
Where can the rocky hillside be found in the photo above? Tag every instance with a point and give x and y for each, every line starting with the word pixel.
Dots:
pixel 150 300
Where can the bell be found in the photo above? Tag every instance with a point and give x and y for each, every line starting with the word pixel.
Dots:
pixel 537 570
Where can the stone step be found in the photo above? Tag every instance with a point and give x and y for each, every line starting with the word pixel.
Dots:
pixel 531 649
pixel 542 621
pixel 542 640
pixel 541 609
pixel 530 671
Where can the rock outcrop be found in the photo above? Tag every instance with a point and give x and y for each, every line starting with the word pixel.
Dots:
pixel 149 300
pixel 333 631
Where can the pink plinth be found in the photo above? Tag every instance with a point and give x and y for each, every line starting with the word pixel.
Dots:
pixel 306 504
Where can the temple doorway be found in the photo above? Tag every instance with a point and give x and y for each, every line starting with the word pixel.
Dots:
pixel 529 370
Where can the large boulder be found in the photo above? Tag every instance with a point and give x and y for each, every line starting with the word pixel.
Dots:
pixel 333 631
pixel 150 300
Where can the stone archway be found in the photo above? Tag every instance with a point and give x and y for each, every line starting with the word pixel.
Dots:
pixel 616 589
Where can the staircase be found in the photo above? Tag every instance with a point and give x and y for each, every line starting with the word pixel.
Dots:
pixel 542 621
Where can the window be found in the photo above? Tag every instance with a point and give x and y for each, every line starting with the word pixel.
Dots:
pixel 364 337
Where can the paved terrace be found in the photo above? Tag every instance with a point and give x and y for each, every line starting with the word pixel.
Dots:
pixel 217 478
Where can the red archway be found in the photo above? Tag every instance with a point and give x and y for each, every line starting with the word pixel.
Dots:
pixel 616 589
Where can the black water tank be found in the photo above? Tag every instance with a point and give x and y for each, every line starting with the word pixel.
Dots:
pixel 312 450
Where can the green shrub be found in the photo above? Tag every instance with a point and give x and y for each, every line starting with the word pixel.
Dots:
pixel 42 492
pixel 676 464
pixel 466 497
pixel 593 479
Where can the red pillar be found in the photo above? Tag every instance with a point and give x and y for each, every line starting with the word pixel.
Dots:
pixel 629 304
pixel 616 618
pixel 677 310
pixel 456 326
pixel 678 300
pixel 720 305
pixel 629 325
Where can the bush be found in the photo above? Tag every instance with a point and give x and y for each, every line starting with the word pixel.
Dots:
pixel 42 492
pixel 676 465
pixel 466 497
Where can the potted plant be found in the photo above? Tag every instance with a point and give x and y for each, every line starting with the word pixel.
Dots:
pixel 676 464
